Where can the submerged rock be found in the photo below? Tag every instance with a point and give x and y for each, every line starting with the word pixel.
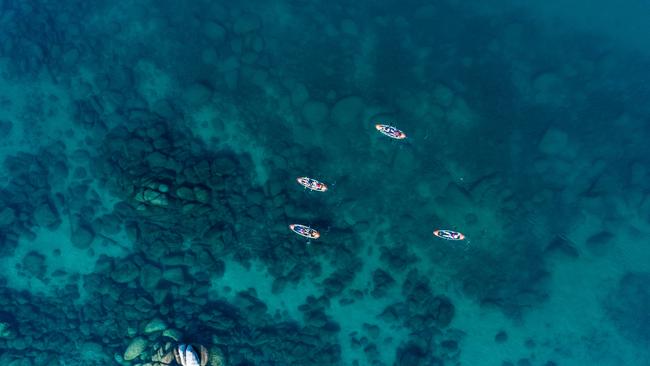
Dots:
pixel 150 276
pixel 5 128
pixel 34 264
pixel 125 272
pixel 47 216
pixel 155 325
pixel 7 216
pixel 5 331
pixel 135 348
pixel 554 142
pixel 382 282
pixel 82 236
pixel 172 333
pixel 314 112
pixel 599 242
pixel 348 111
pixel 214 31
pixel 629 306
pixel 197 94
pixel 216 357
pixel 246 23
pixel 152 197
pixel 443 95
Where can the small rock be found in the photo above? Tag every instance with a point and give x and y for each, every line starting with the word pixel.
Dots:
pixel 173 334
pixel 460 114
pixel 150 276
pixel 223 166
pixel 7 216
pixel 135 348
pixel 443 95
pixel 549 88
pixel 82 236
pixel 197 94
pixel 382 281
pixel 185 193
pixel 174 275
pixel 348 111
pixel 314 112
pixel 202 195
pixel 258 43
pixel 229 65
pixel 216 357
pixel 214 31
pixel 125 272
pixel 108 224
pixel 155 325
pixel 232 79
pixel 5 128
pixel 554 142
pixel 599 242
pixel 247 22
pixel 501 337
pixel 5 331
pixel 164 108
pixel 299 95
pixel 34 264
pixel 523 362
pixel 349 27
pixel 46 216
pixel 152 197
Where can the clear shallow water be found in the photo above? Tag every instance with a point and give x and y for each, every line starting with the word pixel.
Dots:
pixel 149 161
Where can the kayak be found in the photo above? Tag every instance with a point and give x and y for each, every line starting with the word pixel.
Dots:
pixel 391 131
pixel 305 231
pixel 449 234
pixel 312 184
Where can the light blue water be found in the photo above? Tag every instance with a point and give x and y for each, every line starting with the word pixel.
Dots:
pixel 149 161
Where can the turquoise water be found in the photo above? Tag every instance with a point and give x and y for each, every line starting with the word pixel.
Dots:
pixel 150 152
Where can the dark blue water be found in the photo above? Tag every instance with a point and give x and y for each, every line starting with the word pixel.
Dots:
pixel 150 153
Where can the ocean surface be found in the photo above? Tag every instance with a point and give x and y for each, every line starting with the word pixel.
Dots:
pixel 150 151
